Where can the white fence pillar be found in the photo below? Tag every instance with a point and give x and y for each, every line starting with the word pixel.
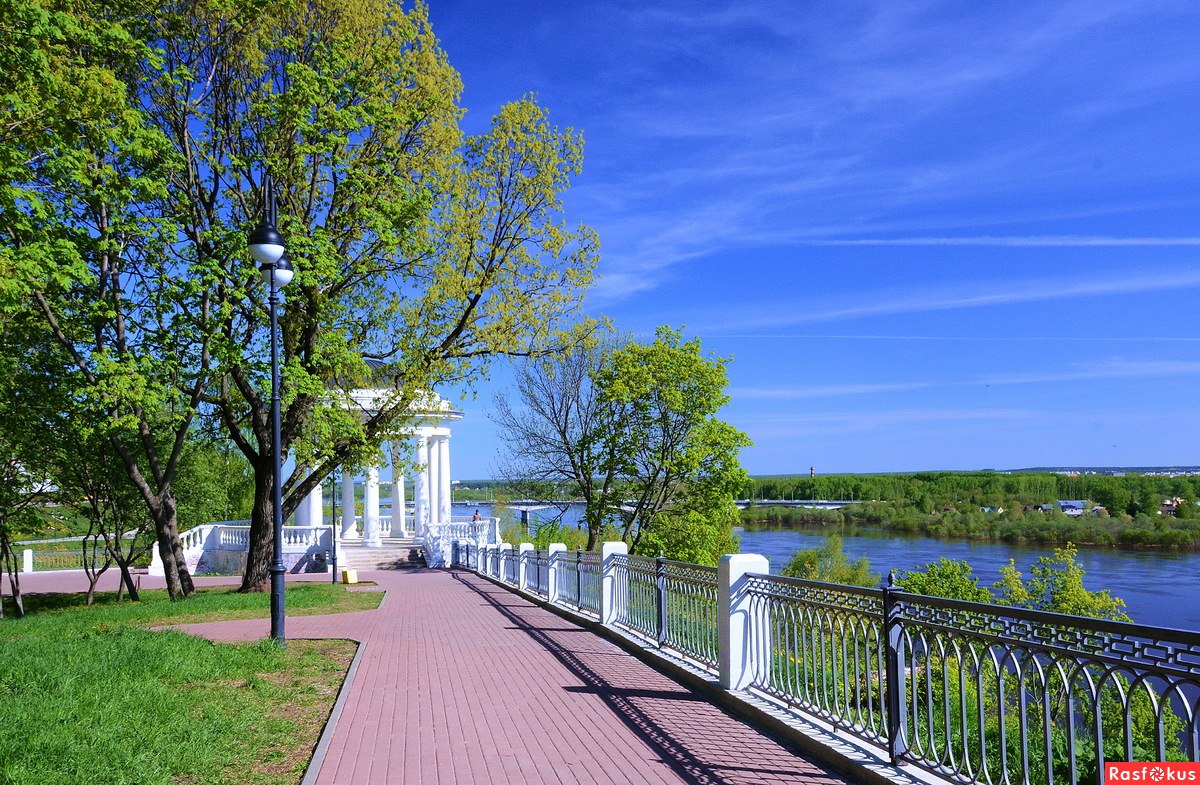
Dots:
pixel 609 596
pixel 522 576
pixel 27 559
pixel 735 649
pixel 552 562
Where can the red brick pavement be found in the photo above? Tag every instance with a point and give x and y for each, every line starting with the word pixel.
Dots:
pixel 461 681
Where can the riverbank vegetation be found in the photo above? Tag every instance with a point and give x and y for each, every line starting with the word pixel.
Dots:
pixel 1019 526
pixel 1117 511
pixel 95 695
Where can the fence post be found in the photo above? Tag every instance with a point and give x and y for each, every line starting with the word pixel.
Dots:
pixel 660 604
pixel 893 671
pixel 610 597
pixel 27 560
pixel 552 556
pixel 505 558
pixel 735 627
pixel 523 565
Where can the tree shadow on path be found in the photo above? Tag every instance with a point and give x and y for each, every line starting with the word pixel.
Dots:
pixel 700 741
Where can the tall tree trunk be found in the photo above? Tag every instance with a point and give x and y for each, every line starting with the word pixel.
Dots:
pixel 127 580
pixel 261 549
pixel 178 577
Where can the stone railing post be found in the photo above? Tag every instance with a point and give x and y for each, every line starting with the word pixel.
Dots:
pixel 505 555
pixel 27 560
pixel 523 565
pixel 735 627
pixel 610 597
pixel 156 563
pixel 552 559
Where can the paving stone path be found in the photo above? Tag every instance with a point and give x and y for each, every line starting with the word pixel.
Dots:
pixel 462 681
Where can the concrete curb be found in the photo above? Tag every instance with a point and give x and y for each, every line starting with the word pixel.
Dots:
pixel 841 752
pixel 335 714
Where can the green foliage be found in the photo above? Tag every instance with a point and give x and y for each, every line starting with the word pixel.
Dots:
pixel 829 563
pixel 678 462
pixel 1056 584
pixel 632 428
pixel 215 484
pixel 949 578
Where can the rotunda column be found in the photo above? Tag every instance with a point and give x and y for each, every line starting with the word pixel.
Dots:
pixel 399 524
pixel 371 536
pixel 434 484
pixel 421 479
pixel 444 476
pixel 349 530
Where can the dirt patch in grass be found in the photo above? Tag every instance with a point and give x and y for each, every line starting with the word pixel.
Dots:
pixel 302 695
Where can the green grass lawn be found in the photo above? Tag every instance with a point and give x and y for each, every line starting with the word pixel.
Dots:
pixel 92 695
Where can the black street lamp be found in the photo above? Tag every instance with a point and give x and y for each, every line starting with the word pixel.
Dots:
pixel 268 249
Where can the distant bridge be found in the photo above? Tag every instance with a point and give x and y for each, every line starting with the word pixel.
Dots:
pixel 817 504
pixel 814 504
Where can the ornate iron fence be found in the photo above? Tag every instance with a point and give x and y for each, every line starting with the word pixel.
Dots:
pixel 977 693
pixel 590 572
pixel 688 610
pixel 537 572
pixel 820 647
pixel 635 605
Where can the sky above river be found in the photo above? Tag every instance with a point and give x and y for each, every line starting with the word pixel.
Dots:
pixel 929 235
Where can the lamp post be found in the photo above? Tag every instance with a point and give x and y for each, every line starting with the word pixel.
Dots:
pixel 268 249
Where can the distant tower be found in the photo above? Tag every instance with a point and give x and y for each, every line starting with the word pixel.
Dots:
pixel 812 471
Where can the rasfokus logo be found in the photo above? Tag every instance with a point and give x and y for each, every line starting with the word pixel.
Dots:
pixel 1152 773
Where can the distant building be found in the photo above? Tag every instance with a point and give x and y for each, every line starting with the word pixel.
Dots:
pixel 1072 507
pixel 1170 506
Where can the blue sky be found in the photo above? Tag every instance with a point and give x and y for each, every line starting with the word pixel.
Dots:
pixel 955 236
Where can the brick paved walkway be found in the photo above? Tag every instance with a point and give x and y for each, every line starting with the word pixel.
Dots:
pixel 462 681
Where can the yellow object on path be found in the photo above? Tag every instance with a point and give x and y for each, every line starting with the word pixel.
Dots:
pixel 349 576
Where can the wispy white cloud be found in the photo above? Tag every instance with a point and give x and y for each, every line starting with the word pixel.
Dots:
pixel 963 296
pixel 1029 241
pixel 731 125
pixel 1109 369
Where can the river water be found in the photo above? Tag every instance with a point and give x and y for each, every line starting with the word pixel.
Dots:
pixel 1159 588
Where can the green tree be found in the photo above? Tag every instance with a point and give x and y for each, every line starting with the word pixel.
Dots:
pixel 90 243
pixel 1055 584
pixel 949 578
pixel 559 431
pixel 633 426
pixel 675 454
pixel 829 563
pixel 420 253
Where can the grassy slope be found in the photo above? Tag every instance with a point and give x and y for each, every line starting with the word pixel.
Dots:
pixel 93 696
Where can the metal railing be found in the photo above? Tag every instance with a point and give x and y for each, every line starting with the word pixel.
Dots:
pixel 673 604
pixel 537 572
pixel 636 602
pixel 978 693
pixel 820 647
pixel 972 693
pixel 688 620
